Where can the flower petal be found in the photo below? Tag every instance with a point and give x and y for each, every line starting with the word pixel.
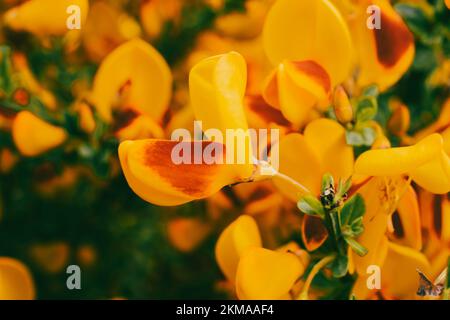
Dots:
pixel 153 175
pixel 335 155
pixel 434 176
pixel 16 282
pixel 385 53
pixel 309 30
pixel 263 274
pixel 34 136
pixel 395 161
pixel 400 278
pixel 44 17
pixel 217 87
pixel 314 232
pixel 235 240
pixel 299 161
pixel 137 65
pixel 406 221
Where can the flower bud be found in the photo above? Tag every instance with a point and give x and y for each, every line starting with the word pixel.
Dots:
pixel 342 106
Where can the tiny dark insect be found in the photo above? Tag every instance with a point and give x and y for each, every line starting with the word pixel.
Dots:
pixel 428 288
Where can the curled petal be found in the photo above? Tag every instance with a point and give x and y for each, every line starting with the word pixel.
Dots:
pixel 263 274
pixel 34 136
pixel 217 87
pixel 434 176
pixel 300 86
pixel 385 53
pixel 235 240
pixel 309 30
pixel 169 173
pixel 395 161
pixel 16 282
pixel 33 16
pixel 137 74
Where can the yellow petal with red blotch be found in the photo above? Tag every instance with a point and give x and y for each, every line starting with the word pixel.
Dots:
pixel 314 232
pixel 217 87
pixel 264 274
pixel 16 282
pixel 434 176
pixel 395 161
pixel 385 53
pixel 309 30
pixel 381 196
pixel 34 136
pixel 164 172
pixel 299 161
pixel 399 276
pixel 235 240
pixel 46 17
pixel 329 140
pixel 406 221
pixel 137 66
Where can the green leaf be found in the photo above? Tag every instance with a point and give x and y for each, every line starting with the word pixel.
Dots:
pixel 339 266
pixel 367 109
pixel 353 209
pixel 371 91
pixel 310 205
pixel 356 246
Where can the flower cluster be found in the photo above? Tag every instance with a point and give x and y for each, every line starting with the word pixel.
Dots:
pixel 362 178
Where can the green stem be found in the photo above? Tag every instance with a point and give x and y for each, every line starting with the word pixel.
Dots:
pixel 314 271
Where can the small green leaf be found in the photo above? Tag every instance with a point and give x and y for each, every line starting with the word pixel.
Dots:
pixel 371 91
pixel 367 109
pixel 356 246
pixel 339 266
pixel 353 209
pixel 310 205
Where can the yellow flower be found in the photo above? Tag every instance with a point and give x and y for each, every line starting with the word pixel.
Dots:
pixel 383 54
pixel 306 157
pixel 137 74
pixel 33 16
pixel 34 136
pixel 258 273
pixel 300 30
pixel 16 282
pixel 425 162
pixel 217 88
pixel 296 87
